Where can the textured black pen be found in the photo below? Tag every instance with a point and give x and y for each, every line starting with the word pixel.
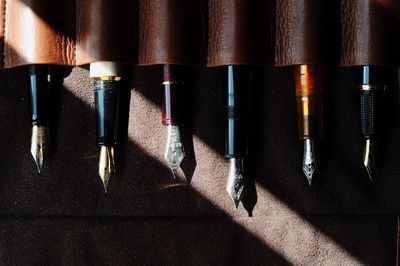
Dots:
pixel 238 80
pixel 371 94
pixel 42 81
pixel 106 80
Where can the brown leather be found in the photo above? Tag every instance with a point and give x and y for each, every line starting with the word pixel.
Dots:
pixel 369 32
pixel 306 32
pixel 172 31
pixel 280 32
pixel 38 31
pixel 106 31
pixel 240 32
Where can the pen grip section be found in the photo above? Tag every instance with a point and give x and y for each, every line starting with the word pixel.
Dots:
pixel 309 84
pixel 40 83
pixel 236 103
pixel 173 95
pixel 107 97
pixel 369 102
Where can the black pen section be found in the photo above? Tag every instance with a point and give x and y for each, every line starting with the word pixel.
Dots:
pixel 107 96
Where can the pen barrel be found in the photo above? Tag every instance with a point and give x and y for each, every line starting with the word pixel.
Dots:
pixel 107 97
pixel 41 80
pixel 309 81
pixel 236 97
pixel 173 95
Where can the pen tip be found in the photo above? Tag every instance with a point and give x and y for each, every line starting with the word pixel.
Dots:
pixel 174 152
pixel 310 159
pixel 38 144
pixel 106 165
pixel 369 158
pixel 235 184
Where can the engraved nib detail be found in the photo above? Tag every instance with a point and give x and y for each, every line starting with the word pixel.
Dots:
pixel 235 183
pixel 38 145
pixel 174 153
pixel 106 165
pixel 369 157
pixel 310 159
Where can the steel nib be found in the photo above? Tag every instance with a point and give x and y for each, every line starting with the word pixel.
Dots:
pixel 38 145
pixel 310 159
pixel 174 152
pixel 106 165
pixel 370 157
pixel 235 184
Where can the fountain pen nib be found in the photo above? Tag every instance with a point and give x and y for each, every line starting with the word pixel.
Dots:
pixel 235 184
pixel 310 159
pixel 174 151
pixel 369 157
pixel 38 145
pixel 106 164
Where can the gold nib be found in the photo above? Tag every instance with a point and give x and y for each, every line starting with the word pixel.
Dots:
pixel 369 157
pixel 174 151
pixel 235 183
pixel 106 164
pixel 38 144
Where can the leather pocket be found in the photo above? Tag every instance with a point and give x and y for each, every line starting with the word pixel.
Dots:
pixel 369 32
pixel 172 31
pixel 240 32
pixel 38 31
pixel 306 32
pixel 106 31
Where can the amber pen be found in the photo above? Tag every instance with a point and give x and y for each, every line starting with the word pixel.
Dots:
pixel 106 80
pixel 238 86
pixel 42 81
pixel 309 81
pixel 371 94
pixel 173 114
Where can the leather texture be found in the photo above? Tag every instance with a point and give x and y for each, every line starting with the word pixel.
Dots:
pixel 240 32
pixel 306 32
pixel 148 32
pixel 106 31
pixel 370 32
pixel 38 31
pixel 172 32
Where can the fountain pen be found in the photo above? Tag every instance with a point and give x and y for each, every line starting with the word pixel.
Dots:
pixel 42 81
pixel 172 114
pixel 373 84
pixel 309 84
pixel 106 81
pixel 238 85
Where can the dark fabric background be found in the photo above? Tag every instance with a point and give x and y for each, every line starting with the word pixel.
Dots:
pixel 63 217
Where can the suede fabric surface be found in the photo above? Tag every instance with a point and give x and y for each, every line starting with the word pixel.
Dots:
pixel 63 217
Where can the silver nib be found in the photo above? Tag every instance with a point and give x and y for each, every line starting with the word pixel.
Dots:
pixel 38 144
pixel 174 151
pixel 310 159
pixel 369 157
pixel 235 183
pixel 106 164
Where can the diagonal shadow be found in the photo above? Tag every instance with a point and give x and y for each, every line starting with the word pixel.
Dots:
pixel 65 210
